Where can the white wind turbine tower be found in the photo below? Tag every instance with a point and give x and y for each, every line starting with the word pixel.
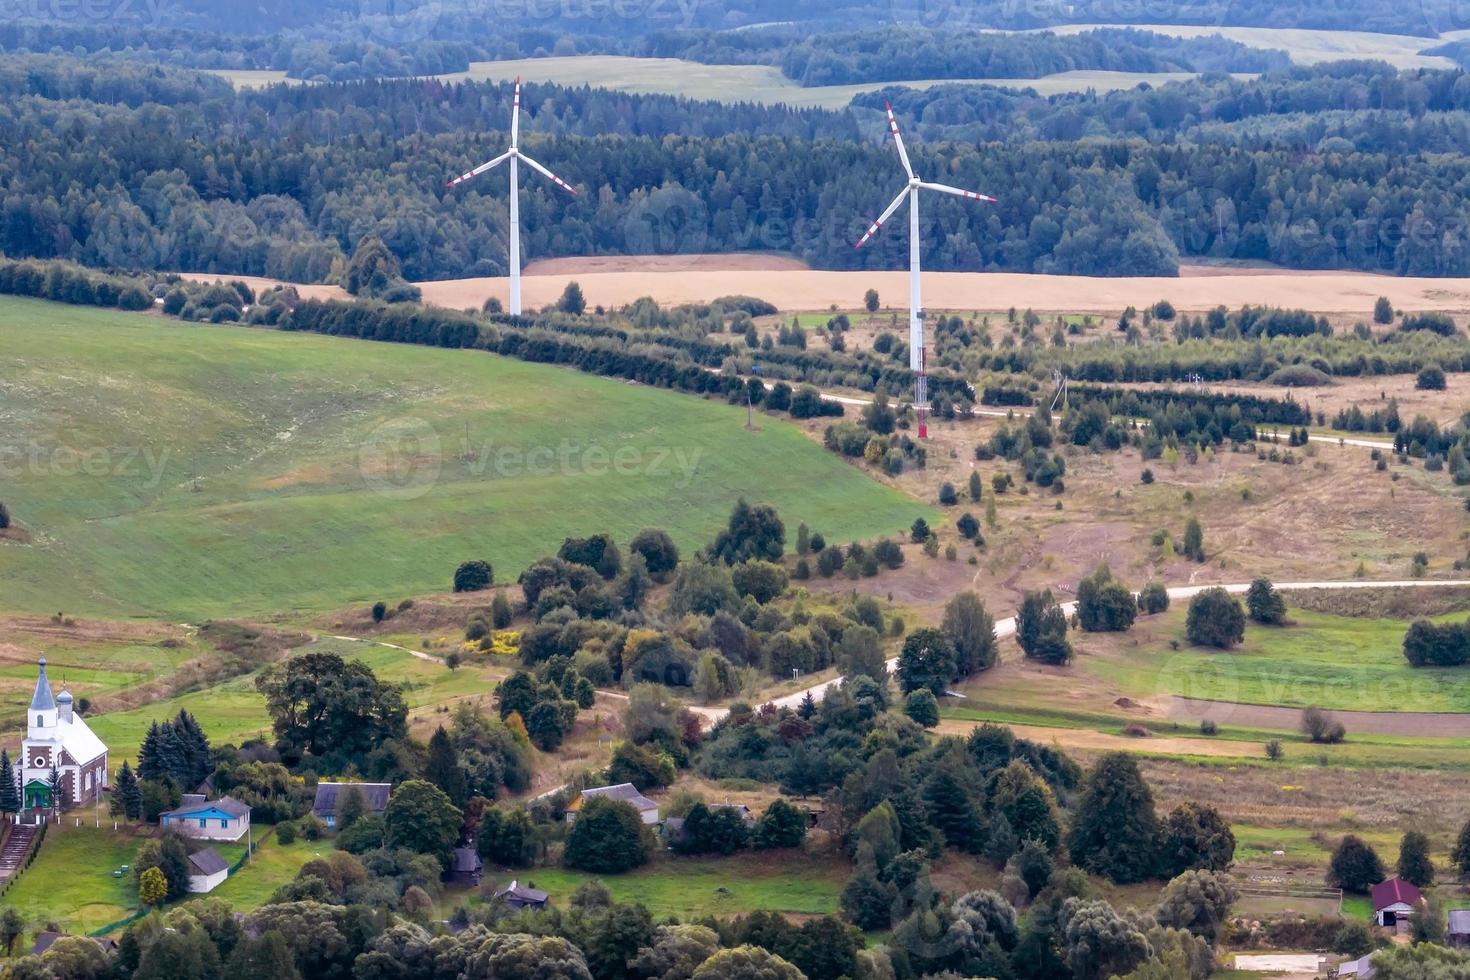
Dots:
pixel 916 304
pixel 515 156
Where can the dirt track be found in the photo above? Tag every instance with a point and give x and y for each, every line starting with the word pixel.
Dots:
pixel 1421 724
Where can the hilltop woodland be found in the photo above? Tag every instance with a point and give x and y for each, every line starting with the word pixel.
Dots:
pixel 222 185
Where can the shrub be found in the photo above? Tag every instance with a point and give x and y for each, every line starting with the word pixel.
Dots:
pixel 1154 598
pixel 1320 727
pixel 286 832
pixel 1430 378
pixel 473 575
pixel 1215 619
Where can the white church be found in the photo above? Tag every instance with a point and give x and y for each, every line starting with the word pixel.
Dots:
pixel 56 736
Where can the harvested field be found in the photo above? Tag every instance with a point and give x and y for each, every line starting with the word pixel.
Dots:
pixel 705 262
pixel 1347 293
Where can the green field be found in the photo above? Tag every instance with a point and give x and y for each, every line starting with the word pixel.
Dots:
pixel 693 887
pixel 335 471
pixel 71 881
pixel 1329 661
pixel 727 83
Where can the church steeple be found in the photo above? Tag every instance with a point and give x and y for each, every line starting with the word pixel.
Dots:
pixel 43 701
pixel 42 716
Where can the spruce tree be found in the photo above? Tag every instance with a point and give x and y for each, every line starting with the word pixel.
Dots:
pixel 1116 832
pixel 124 792
pixel 9 790
pixel 443 769
pixel 56 789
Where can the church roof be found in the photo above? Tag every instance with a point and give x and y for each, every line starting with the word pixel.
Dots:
pixel 42 700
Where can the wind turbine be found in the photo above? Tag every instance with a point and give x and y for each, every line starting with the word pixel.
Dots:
pixel 916 304
pixel 515 156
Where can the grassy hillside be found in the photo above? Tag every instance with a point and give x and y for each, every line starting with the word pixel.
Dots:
pixel 332 471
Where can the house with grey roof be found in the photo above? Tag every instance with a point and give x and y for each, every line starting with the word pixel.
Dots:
pixel 1458 935
pixel 464 867
pixel 329 799
pixel 518 896
pixel 223 819
pixel 207 870
pixel 623 793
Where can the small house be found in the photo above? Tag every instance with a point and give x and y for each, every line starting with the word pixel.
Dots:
pixel 329 799
pixel 465 867
pixel 518 896
pixel 224 819
pixel 1359 969
pixel 1458 935
pixel 1394 903
pixel 623 793
pixel 47 939
pixel 207 871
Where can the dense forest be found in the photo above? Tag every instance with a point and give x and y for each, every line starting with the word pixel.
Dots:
pixel 830 59
pixel 852 57
pixel 156 169
pixel 412 20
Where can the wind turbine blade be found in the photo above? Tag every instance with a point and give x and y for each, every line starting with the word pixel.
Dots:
pixel 488 165
pixel 898 140
pixel 548 175
pixel 957 192
pixel 515 115
pixel 873 228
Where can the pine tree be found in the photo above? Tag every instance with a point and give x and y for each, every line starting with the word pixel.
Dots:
pixel 150 762
pixel 443 769
pixel 9 790
pixel 127 795
pixel 56 788
pixel 1116 832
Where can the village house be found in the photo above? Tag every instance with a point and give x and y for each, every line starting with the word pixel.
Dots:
pixel 329 799
pixel 1394 902
pixel 224 819
pixel 622 792
pixel 1458 934
pixel 57 738
pixel 518 896
pixel 465 867
pixel 207 871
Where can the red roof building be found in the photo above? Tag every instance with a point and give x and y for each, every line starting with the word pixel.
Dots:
pixel 1394 900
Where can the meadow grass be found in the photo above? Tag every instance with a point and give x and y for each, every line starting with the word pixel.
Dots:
pixel 71 883
pixel 780 881
pixel 1343 662
pixel 186 471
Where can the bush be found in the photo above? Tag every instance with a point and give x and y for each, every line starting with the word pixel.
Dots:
pixel 1154 598
pixel 1320 727
pixel 286 832
pixel 1382 310
pixel 608 837
pixel 1430 378
pixel 1265 604
pixel 1215 620
pixel 473 575
pixel 922 707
